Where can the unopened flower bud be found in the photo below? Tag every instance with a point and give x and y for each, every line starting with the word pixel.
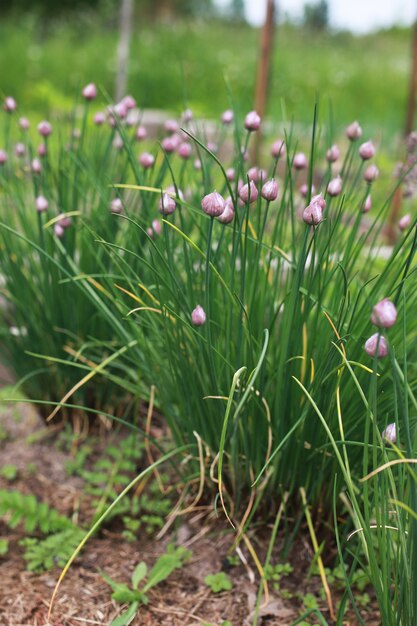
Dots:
pixel 129 102
pixel 384 314
pixel 24 123
pixel 36 166
pixel 334 187
pixel 42 151
pixel 367 205
pixel 187 115
pixel 146 160
pixel 212 146
pixel 230 173
pixel 99 118
pixel 228 214
pixel 141 133
pixel 156 225
pixel 10 104
pixel 64 220
pixel 390 433
pixel 371 173
pixel 333 154
pixel 372 343
pixel 171 126
pixel 304 190
pixel 313 214
pixel 319 200
pixel 367 150
pixel 170 144
pixel 278 149
pixel 252 121
pixel 198 316
pixel 20 149
pixel 58 230
pixel 3 157
pixel 118 142
pixel 167 205
pixel 300 161
pixel 227 117
pixel 41 204
pixel 116 205
pixel 354 131
pixel 149 232
pixel 44 128
pixel 90 91
pixel 248 193
pixel 213 204
pixel 120 110
pixel 270 190
pixel 184 150
pixel 197 164
pixel 405 222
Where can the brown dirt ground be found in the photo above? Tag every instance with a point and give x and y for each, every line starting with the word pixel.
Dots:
pixel 84 598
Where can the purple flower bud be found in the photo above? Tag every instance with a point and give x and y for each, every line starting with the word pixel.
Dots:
pixel 278 149
pixel 371 173
pixel 146 160
pixel 244 153
pixel 252 121
pixel 367 205
pixel 390 433
pixel 3 157
pixel 10 104
pixel 141 133
pixel 117 142
pixel 405 222
pixel 372 343
pixel 248 192
pixel 24 123
pixel 313 213
pixel 171 189
pixel 253 174
pixel 213 204
pixel 384 314
pixel 170 144
pixel 319 200
pixel 304 190
pixel 36 166
pixel 20 149
pixel 171 126
pixel 64 220
pixel 116 205
pixel 367 150
pixel 42 151
pixel 156 225
pixel 167 205
pixel 198 316
pixel 270 190
pixel 149 232
pixel 228 214
pixel 58 230
pixel 129 102
pixel 334 187
pixel 99 118
pixel 227 116
pixel 333 154
pixel 187 115
pixel 197 164
pixel 41 204
pixel 90 92
pixel 212 146
pixel 120 110
pixel 230 173
pixel 44 128
pixel 300 161
pixel 354 131
pixel 184 150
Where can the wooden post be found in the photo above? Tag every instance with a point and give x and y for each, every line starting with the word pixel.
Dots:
pixel 126 15
pixel 264 63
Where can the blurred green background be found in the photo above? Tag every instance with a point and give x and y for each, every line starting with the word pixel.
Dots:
pixel 184 53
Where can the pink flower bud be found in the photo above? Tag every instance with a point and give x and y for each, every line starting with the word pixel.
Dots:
pixel 187 115
pixel 313 213
pixel 405 222
pixel 41 204
pixel 227 116
pixel 213 204
pixel 10 104
pixel 44 128
pixel 99 118
pixel 390 433
pixel 372 343
pixel 24 123
pixel 90 92
pixel 141 133
pixel 367 205
pixel 278 149
pixel 58 230
pixel 270 190
pixel 171 189
pixel 371 173
pixel 248 193
pixel 3 157
pixel 198 316
pixel 156 225
pixel 146 160
pixel 129 102
pixel 149 232
pixel 36 166
pixel 230 173
pixel 334 187
pixel 197 164
pixel 120 110
pixel 300 161
pixel 116 205
pixel 252 121
pixel 171 126
pixel 319 200
pixel 354 131
pixel 244 153
pixel 184 150
pixel 384 314
pixel 117 142
pixel 169 144
pixel 333 154
pixel 64 220
pixel 228 214
pixel 167 205
pixel 20 149
pixel 212 146
pixel 367 150
pixel 253 174
pixel 304 190
pixel 42 151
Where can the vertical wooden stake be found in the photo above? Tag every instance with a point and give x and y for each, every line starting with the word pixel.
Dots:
pixel 126 16
pixel 262 76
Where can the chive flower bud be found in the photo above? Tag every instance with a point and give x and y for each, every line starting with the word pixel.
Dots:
pixel 367 150
pixel 248 193
pixel 367 205
pixel 213 204
pixel 64 220
pixel 99 118
pixel 42 151
pixel 390 433
pixel 20 149
pixel 41 204
pixel 146 160
pixel 184 150
pixel 3 157
pixel 116 206
pixel 44 128
pixel 24 123
pixel 156 225
pixel 384 314
pixel 270 190
pixel 371 173
pixel 278 149
pixel 187 115
pixel 36 166
pixel 58 230
pixel 170 144
pixel 10 104
pixel 129 102
pixel 230 173
pixel 313 213
pixel 304 190
pixel 333 153
pixel 227 117
pixel 354 131
pixel 90 92
pixel 197 164
pixel 171 126
pixel 198 316
pixel 120 110
pixel 167 205
pixel 118 142
pixel 141 133
pixel 372 343
pixel 405 222
pixel 300 161
pixel 334 187
pixel 228 214
pixel 252 121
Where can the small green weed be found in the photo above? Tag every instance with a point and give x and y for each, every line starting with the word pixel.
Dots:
pixel 218 582
pixel 8 471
